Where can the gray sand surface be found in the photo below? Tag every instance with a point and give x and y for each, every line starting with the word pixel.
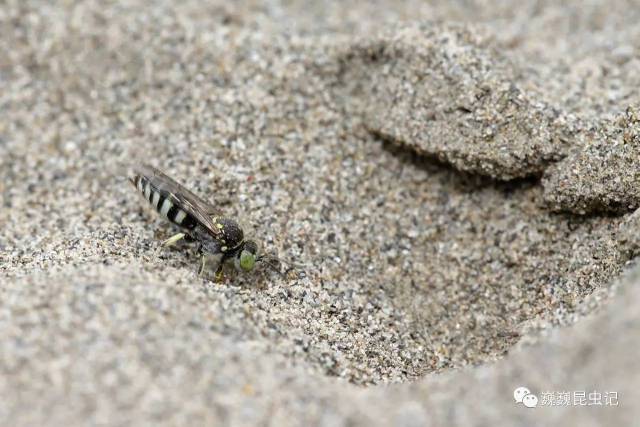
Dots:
pixel 459 181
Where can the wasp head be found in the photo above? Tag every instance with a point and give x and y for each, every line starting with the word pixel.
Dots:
pixel 247 255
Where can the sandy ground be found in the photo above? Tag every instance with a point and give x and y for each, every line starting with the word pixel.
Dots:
pixel 459 181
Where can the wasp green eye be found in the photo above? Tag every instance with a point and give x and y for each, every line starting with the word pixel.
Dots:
pixel 247 260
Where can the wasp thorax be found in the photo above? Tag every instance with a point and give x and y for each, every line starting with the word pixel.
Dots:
pixel 231 235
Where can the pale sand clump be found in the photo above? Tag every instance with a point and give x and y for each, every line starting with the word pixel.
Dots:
pixel 446 93
pixel 602 173
pixel 415 264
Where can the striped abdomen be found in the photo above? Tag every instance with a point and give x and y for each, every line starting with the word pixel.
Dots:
pixel 162 202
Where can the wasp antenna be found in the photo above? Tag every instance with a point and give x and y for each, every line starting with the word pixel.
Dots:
pixel 273 267
pixel 293 264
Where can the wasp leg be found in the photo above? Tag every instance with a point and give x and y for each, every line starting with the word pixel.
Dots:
pixel 204 262
pixel 170 242
pixel 173 240
pixel 219 276
pixel 217 261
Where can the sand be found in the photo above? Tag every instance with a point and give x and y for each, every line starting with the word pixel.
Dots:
pixel 459 184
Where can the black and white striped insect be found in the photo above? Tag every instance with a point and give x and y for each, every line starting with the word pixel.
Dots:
pixel 220 238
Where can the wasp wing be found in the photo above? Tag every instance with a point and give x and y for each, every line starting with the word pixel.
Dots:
pixel 199 209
